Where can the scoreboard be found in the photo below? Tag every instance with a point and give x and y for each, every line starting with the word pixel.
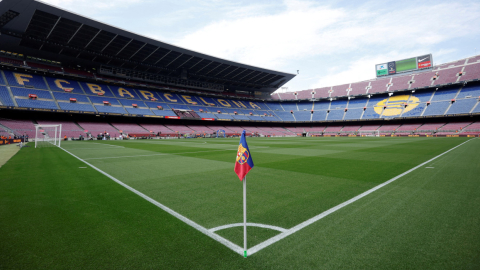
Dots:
pixel 405 65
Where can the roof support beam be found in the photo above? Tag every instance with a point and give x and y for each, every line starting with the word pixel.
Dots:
pixel 124 47
pixel 137 51
pixel 109 43
pixel 163 57
pixel 237 74
pixel 246 75
pixel 51 30
pixel 150 54
pixel 261 77
pixel 204 67
pixel 174 60
pixel 222 71
pixel 74 34
pixel 196 63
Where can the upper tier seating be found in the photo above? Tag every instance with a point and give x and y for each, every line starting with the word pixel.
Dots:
pixel 5 97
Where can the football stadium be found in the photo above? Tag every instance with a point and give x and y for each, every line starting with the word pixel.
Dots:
pixel 122 151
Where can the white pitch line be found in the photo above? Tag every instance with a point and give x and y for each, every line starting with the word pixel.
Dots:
pixel 164 154
pixel 430 167
pixel 304 224
pixel 203 230
pixel 276 228
pixel 127 156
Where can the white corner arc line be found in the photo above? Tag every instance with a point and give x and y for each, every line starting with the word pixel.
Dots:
pixel 218 238
pixel 304 224
pixel 276 228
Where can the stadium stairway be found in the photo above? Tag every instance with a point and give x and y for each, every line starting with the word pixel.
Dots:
pixel 6 131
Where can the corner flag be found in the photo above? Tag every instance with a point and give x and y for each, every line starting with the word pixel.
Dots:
pixel 244 162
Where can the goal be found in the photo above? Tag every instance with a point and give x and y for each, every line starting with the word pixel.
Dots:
pixel 48 135
pixel 369 133
pixel 220 133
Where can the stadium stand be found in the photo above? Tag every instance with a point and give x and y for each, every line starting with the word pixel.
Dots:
pixel 69 129
pixel 20 127
pixel 99 127
pixel 5 97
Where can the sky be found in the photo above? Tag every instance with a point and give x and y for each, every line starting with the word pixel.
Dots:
pixel 328 42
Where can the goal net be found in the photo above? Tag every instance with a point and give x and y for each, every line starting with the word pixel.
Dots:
pixel 220 133
pixel 369 133
pixel 48 135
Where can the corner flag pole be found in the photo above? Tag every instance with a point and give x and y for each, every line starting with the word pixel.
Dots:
pixel 245 216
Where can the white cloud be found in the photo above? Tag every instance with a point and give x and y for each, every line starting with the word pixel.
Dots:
pixel 305 30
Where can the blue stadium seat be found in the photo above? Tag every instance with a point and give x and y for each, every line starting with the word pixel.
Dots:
pixel 370 113
pixel 76 107
pixel 319 115
pixel 94 88
pixel 373 101
pixel 321 106
pixel 442 95
pixel 285 116
pixel 223 116
pixel 357 103
pixel 123 92
pixel 54 84
pixel 30 103
pixel 100 100
pixel 338 104
pixel 257 118
pixel 473 91
pixel 417 111
pixel 477 109
pixel 164 112
pixel 274 106
pixel 24 92
pixel 335 115
pixel 197 108
pixel 303 116
pixel 305 106
pixel 170 97
pixel 67 96
pixel 109 109
pixel 2 82
pixel 5 97
pixel 423 96
pixel 179 106
pixel 436 108
pixel 462 106
pixel 289 106
pixel 24 79
pixel 155 104
pixel 206 115
pixel 231 111
pixel 353 114
pixel 129 102
pixel 204 100
pixel 139 111
pixel 241 117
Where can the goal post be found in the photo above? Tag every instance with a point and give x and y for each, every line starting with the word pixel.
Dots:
pixel 369 133
pixel 48 135
pixel 221 133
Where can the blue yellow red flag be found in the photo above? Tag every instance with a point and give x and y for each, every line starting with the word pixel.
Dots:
pixel 244 162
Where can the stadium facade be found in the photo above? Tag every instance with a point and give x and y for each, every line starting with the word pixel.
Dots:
pixel 59 66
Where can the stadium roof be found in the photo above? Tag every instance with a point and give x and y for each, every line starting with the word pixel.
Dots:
pixel 41 30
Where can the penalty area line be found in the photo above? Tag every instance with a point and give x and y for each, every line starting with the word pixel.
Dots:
pixel 218 238
pixel 304 224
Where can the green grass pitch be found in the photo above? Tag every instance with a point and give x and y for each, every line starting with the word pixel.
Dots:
pixel 57 212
